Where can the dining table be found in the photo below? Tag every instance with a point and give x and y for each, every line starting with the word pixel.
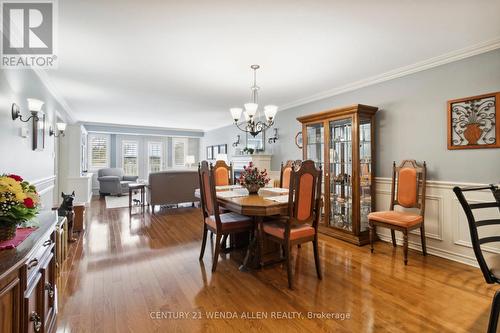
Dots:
pixel 268 202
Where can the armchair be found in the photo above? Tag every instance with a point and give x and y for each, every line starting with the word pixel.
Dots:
pixel 112 181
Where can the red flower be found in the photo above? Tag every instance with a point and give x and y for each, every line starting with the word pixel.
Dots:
pixel 28 202
pixel 16 178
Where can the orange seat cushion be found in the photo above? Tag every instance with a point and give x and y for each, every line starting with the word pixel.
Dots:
pixel 297 231
pixel 230 221
pixel 400 219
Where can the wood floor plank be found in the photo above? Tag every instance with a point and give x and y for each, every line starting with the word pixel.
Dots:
pixel 126 272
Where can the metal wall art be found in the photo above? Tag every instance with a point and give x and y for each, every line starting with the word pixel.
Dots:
pixel 474 122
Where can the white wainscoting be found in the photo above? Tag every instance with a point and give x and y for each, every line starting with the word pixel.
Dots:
pixel 446 227
pixel 45 187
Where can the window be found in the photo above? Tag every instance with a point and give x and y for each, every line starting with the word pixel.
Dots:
pixel 130 161
pixel 155 156
pixel 98 147
pixel 179 152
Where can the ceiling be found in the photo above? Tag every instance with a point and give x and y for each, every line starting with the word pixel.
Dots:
pixel 182 64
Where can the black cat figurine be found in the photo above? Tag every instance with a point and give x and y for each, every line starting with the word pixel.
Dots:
pixel 66 210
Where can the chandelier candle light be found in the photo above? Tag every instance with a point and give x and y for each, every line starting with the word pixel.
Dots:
pixel 251 124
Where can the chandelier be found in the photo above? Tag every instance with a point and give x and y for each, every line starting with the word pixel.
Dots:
pixel 252 124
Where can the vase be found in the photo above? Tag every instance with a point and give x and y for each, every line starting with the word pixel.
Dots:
pixel 472 133
pixel 253 188
pixel 8 229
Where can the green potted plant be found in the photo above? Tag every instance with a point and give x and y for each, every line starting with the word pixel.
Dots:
pixel 19 202
pixel 252 179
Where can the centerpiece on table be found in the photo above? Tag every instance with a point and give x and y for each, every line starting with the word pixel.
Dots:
pixel 19 202
pixel 253 179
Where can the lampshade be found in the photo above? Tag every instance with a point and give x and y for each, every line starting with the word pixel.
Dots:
pixel 221 157
pixel 247 117
pixel 190 159
pixel 35 105
pixel 270 111
pixel 251 108
pixel 236 113
pixel 61 127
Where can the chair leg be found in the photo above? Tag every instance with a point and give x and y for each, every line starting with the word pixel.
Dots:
pixel 405 246
pixel 371 228
pixel 495 309
pixel 204 241
pixel 289 265
pixel 422 237
pixel 216 252
pixel 224 242
pixel 316 259
pixel 393 236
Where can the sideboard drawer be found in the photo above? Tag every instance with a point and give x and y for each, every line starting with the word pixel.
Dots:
pixel 34 262
pixel 49 292
pixel 33 305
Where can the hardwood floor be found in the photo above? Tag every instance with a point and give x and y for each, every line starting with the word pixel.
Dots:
pixel 130 274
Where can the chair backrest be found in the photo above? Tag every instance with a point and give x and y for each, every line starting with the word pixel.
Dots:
pixel 223 173
pixel 305 194
pixel 473 224
pixel 208 195
pixel 408 185
pixel 110 172
pixel 286 171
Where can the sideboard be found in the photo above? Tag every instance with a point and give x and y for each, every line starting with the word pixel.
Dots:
pixel 28 281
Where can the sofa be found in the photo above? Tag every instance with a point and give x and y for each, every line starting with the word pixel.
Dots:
pixel 172 187
pixel 112 181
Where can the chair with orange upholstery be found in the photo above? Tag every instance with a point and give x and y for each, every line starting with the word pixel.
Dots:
pixel 219 224
pixel 223 173
pixel 286 170
pixel 407 191
pixel 301 223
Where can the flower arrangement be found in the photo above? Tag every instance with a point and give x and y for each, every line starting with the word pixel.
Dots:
pixel 253 179
pixel 19 202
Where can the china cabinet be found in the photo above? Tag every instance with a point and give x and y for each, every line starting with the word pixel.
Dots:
pixel 341 141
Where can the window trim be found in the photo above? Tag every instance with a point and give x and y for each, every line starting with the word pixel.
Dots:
pixel 148 155
pixel 185 141
pixel 123 143
pixel 107 138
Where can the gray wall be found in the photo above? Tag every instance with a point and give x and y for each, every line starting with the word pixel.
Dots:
pixel 411 122
pixel 16 152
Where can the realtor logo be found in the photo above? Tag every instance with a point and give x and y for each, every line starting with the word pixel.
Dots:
pixel 28 34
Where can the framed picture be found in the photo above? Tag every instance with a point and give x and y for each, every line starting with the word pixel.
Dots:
pixel 39 132
pixel 223 149
pixel 474 122
pixel 298 140
pixel 210 153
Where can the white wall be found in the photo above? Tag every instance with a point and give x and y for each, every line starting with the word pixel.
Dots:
pixel 16 152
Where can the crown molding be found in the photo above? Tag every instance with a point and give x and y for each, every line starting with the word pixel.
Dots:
pixel 443 59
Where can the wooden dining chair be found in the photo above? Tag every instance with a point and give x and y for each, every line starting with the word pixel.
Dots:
pixel 489 267
pixel 223 173
pixel 221 225
pixel 407 191
pixel 286 172
pixel 301 223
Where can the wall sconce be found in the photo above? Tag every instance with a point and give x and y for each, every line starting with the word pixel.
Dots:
pixel 275 137
pixel 237 142
pixel 34 106
pixel 61 127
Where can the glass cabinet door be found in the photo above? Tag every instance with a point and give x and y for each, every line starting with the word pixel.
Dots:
pixel 365 171
pixel 315 144
pixel 340 146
